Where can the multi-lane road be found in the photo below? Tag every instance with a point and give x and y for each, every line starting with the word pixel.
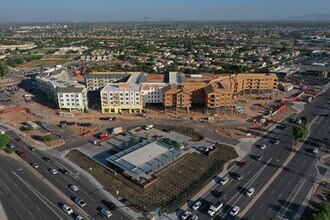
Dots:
pixel 283 195
pixel 29 191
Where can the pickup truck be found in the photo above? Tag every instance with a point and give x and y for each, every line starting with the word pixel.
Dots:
pixel 214 208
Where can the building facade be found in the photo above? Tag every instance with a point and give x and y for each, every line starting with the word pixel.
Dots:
pixel 72 99
pixel 121 98
pixel 67 93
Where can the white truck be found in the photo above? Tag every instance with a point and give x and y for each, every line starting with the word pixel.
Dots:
pixel 214 208
pixel 116 130
pixel 147 127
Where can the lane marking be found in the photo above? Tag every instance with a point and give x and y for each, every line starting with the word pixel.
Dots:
pixel 246 186
pixel 39 195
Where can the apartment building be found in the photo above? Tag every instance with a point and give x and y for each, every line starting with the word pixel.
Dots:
pixel 176 96
pixel 121 98
pixel 152 93
pixel 97 81
pixel 72 99
pixel 67 93
pixel 175 90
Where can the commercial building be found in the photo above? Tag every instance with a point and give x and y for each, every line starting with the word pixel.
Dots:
pixel 145 158
pixel 67 93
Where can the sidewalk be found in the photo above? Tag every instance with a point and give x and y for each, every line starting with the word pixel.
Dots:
pixel 3 215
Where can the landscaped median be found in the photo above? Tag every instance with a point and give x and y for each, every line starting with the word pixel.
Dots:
pixel 175 185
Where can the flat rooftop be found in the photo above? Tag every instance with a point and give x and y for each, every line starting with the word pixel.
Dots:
pixel 143 157
pixel 145 154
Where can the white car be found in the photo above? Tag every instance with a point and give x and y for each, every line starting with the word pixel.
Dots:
pixel 263 146
pixel 80 202
pixel 67 209
pixel 315 151
pixel 195 217
pixel 249 192
pixel 79 217
pixel 53 171
pixel 224 180
pixel 197 205
pixel 185 215
pixel 106 212
pixel 298 121
pixel 74 188
pixel 234 211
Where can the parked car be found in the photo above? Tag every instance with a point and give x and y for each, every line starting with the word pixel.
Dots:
pixel 106 212
pixel 224 180
pixel 234 211
pixel 67 209
pixel 249 192
pixel 263 146
pixel 197 205
pixel 185 215
pixel 315 151
pixel 195 217
pixel 220 194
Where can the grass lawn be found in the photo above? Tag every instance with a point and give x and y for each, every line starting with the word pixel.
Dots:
pixel 175 185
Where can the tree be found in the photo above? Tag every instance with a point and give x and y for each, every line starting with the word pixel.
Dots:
pixel 125 145
pixel 10 150
pixel 299 132
pixel 304 120
pixel 4 140
pixel 136 140
pixel 4 70
pixel 146 136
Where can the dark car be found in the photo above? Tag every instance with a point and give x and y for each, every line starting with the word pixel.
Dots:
pixel 18 139
pixel 243 164
pixel 109 204
pixel 257 158
pixel 47 159
pixel 239 176
pixel 64 171
pixel 20 153
pixel 220 194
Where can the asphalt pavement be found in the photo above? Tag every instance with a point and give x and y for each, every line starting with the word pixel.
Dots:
pixel 60 182
pixel 285 194
pixel 25 196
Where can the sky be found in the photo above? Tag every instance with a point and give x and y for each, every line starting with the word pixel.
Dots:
pixel 12 11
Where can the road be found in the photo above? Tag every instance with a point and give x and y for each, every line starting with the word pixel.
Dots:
pixel 289 188
pixel 60 182
pixel 25 196
pixel 283 197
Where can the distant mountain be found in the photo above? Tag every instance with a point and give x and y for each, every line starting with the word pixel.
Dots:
pixel 313 17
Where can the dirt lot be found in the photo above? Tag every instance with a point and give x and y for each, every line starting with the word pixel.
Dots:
pixel 174 186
